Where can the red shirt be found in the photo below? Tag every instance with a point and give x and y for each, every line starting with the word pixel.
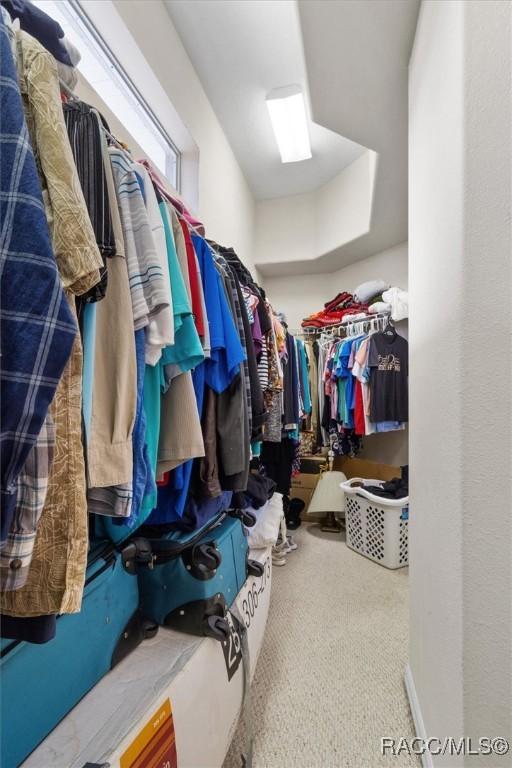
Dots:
pixel 359 422
pixel 195 290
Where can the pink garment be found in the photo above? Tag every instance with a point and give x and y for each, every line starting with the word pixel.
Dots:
pixel 175 202
pixel 251 300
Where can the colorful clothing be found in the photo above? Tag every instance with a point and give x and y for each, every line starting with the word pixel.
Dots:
pixel 37 324
pixel 57 572
pixel 147 284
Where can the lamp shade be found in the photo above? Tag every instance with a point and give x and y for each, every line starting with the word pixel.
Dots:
pixel 328 496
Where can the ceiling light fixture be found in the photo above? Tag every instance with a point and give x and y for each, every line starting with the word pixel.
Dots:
pixel 288 115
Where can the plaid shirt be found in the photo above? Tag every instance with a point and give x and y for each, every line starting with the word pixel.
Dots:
pixel 37 326
pixel 16 553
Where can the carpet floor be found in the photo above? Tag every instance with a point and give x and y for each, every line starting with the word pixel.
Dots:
pixel 329 679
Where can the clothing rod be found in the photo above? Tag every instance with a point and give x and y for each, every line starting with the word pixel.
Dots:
pixel 368 318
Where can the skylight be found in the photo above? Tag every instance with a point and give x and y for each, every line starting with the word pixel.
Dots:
pixel 288 115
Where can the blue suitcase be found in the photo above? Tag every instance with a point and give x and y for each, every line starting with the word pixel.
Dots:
pixel 188 582
pixel 40 684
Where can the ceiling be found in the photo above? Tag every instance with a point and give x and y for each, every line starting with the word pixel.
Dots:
pixel 241 50
pixel 360 51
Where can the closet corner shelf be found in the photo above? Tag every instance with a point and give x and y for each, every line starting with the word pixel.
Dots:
pixel 331 329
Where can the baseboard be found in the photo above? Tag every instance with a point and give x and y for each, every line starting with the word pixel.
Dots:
pixel 419 725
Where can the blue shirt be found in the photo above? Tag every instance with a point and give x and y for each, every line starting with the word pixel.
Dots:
pixel 216 371
pixel 226 348
pixel 173 496
pixel 304 376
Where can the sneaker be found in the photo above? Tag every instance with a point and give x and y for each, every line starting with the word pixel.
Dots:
pixel 291 543
pixel 283 548
pixel 278 559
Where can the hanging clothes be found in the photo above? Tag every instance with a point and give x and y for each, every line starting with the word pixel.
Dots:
pixel 57 571
pixel 85 138
pixel 362 387
pixel 33 301
pixel 388 362
pixel 178 360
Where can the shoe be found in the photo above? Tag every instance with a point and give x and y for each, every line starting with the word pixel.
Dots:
pixel 291 543
pixel 282 548
pixel 278 559
pixel 293 513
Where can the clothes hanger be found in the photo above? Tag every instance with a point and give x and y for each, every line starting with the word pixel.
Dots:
pixel 389 329
pixel 71 95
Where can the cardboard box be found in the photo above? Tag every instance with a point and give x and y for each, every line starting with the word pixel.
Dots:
pixel 304 480
pixel 304 484
pixel 364 468
pixel 302 493
pixel 311 465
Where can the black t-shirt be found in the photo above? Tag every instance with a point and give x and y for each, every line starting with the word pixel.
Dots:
pixel 389 370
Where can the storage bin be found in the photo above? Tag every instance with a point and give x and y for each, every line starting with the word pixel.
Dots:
pixel 376 527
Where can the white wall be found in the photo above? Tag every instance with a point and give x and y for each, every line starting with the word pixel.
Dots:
pixel 225 203
pixel 460 439
pixel 300 295
pixel 302 228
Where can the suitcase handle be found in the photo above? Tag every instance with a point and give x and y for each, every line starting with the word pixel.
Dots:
pixel 218 628
pixel 255 568
pixel 247 517
pixel 141 551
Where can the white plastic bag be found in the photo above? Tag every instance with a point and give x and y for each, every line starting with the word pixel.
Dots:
pixel 264 534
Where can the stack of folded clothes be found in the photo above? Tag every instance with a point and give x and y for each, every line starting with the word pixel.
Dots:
pixel 342 306
pixel 369 298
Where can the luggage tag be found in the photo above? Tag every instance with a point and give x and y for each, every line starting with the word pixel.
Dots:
pixel 232 645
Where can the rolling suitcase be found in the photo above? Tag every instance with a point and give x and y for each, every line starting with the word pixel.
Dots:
pixel 188 582
pixel 40 684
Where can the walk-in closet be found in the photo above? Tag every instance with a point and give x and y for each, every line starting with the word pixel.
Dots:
pixel 255 383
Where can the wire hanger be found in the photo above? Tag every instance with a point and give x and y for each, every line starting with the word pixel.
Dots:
pixel 117 143
pixel 67 90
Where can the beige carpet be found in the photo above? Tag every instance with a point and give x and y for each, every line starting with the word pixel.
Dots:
pixel 329 680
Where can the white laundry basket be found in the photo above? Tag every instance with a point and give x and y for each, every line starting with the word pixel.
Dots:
pixel 376 527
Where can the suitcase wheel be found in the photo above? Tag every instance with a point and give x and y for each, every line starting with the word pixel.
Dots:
pixel 203 560
pixel 210 556
pixel 218 628
pixel 149 629
pixel 255 568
